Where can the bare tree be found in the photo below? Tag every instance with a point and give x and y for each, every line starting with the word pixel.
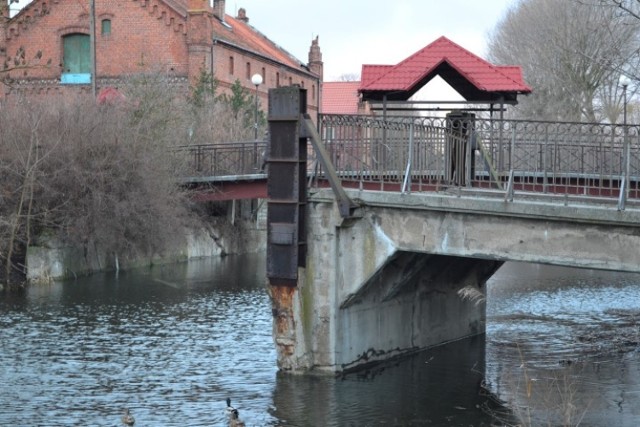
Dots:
pixel 572 54
pixel 103 175
pixel 100 175
pixel 223 118
pixel 349 77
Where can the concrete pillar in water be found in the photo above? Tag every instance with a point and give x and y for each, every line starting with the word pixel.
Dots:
pixel 364 289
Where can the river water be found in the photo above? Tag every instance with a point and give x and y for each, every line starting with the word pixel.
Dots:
pixel 172 343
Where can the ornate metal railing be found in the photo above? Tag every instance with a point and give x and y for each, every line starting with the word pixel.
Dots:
pixel 220 159
pixel 423 153
pixel 415 154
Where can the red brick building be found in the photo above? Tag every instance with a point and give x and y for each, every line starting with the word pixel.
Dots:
pixel 176 37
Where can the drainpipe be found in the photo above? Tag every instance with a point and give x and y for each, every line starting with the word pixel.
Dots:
pixel 92 37
pixel 211 58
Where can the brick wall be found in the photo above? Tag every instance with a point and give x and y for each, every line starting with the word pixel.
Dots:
pixel 145 36
pixel 273 74
pixel 121 52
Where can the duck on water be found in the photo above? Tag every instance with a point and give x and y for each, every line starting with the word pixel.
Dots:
pixel 127 418
pixel 234 415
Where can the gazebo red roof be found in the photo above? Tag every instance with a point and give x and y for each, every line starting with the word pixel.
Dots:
pixel 471 76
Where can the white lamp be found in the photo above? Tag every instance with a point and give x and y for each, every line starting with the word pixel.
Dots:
pixel 624 80
pixel 256 79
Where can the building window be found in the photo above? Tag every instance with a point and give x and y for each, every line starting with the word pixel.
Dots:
pixel 231 70
pixel 264 74
pixel 76 59
pixel 277 79
pixel 106 27
pixel 313 92
pixel 290 81
pixel 248 70
pixel 302 84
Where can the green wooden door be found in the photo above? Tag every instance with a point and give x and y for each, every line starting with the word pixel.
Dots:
pixel 77 54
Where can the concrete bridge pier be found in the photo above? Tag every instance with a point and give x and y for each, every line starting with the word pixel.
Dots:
pixel 353 286
pixel 364 297
pixel 355 283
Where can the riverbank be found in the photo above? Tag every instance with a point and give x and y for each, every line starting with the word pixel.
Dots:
pixel 49 259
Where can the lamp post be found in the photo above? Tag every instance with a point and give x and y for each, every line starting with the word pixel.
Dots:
pixel 256 79
pixel 624 187
pixel 624 82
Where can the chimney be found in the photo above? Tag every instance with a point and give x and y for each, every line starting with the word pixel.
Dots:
pixel 242 15
pixel 315 59
pixel 4 9
pixel 219 9
pixel 4 18
pixel 198 6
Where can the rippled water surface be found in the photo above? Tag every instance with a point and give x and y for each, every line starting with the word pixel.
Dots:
pixel 173 343
pixel 563 344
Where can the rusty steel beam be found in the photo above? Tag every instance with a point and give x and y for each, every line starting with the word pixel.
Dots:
pixel 286 186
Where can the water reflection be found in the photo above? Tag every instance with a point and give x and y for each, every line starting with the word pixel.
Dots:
pixel 437 387
pixel 172 343
pixel 563 344
pixel 169 343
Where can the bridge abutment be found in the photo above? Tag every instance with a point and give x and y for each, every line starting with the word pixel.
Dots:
pixel 362 298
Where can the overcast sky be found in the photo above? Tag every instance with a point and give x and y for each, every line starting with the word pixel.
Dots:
pixel 356 32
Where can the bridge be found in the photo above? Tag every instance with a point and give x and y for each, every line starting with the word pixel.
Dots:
pixel 393 258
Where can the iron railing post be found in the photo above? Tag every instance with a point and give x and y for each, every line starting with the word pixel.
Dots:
pixel 624 182
pixel 407 173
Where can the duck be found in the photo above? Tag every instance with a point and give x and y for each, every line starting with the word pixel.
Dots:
pixel 234 419
pixel 127 418
pixel 230 408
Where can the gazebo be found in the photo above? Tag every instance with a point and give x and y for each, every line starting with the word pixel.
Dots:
pixel 475 79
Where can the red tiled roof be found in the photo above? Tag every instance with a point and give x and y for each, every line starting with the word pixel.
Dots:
pixel 371 73
pixel 512 71
pixel 443 57
pixel 340 97
pixel 246 37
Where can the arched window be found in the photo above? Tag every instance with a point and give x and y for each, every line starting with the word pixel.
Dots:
pixel 76 59
pixel 106 27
